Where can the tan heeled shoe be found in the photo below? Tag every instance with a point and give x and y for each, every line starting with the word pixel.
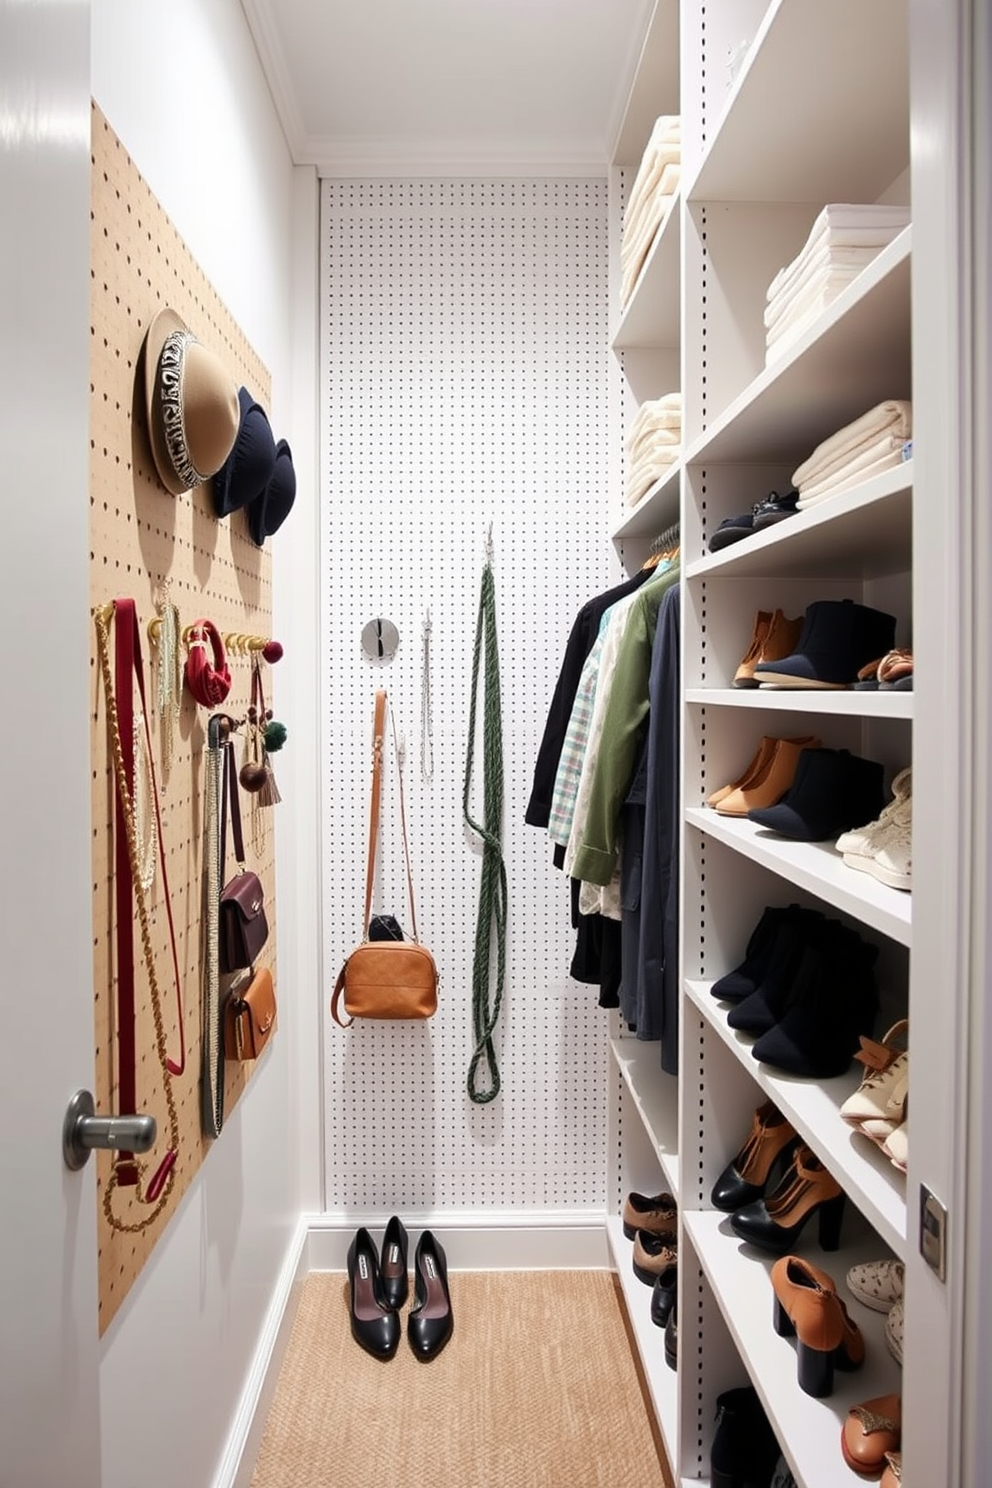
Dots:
pixel 771 783
pixel 764 753
pixel 777 639
pixel 807 1305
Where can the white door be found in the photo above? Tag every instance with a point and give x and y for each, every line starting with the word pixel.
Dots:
pixel 49 1346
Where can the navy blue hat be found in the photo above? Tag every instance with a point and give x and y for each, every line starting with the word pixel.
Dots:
pixel 248 468
pixel 269 510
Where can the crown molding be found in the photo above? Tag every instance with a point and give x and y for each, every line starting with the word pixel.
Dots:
pixel 278 76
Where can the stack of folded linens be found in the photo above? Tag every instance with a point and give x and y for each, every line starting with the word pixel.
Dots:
pixel 876 441
pixel 651 197
pixel 843 239
pixel 654 444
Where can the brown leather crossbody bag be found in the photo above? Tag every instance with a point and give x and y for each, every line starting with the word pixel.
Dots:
pixel 385 978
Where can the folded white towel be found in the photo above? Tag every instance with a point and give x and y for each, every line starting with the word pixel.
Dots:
pixel 646 189
pixel 894 416
pixel 874 227
pixel 819 293
pixel 640 479
pixel 841 260
pixel 845 480
pixel 798 322
pixel 664 420
pixel 635 250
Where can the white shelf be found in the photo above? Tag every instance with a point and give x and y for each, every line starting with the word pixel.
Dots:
pixel 819 110
pixel 655 511
pixel 858 704
pixel 652 315
pixel 662 1381
pixel 655 1094
pixel 856 355
pixel 816 867
pixel 808 1430
pixel 655 84
pixel 864 532
pixel 813 1106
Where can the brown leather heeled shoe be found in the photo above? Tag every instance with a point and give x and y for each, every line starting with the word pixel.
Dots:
pixel 871 1431
pixel 771 784
pixel 744 1180
pixel 807 1306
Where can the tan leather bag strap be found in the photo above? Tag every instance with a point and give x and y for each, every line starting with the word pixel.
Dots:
pixel 378 742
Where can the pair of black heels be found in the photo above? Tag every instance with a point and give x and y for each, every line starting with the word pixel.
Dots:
pixel 380 1289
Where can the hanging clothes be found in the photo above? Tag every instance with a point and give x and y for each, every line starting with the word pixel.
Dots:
pixel 584 631
pixel 624 721
pixel 650 864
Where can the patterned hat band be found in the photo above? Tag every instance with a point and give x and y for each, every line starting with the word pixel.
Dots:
pixel 171 369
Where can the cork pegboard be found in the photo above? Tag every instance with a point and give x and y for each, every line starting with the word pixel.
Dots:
pixel 142 538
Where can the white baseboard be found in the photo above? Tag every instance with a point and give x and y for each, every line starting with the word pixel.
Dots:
pixel 245 1437
pixel 479 1240
pixel 501 1240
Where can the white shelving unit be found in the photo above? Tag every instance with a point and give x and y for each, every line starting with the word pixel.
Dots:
pixel 783 110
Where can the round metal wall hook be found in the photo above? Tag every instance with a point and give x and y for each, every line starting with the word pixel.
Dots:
pixel 380 640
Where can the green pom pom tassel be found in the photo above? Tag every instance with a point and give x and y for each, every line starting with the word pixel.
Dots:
pixel 275 735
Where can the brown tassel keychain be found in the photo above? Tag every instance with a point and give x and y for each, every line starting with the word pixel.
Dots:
pixel 263 736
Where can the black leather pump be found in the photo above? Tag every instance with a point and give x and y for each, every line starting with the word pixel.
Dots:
pixel 374 1324
pixel 395 1282
pixel 430 1323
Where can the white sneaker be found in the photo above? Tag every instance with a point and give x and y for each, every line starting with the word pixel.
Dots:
pixel 859 839
pixel 887 848
pixel 892 861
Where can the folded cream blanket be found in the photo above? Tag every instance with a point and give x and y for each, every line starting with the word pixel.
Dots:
pixel 799 320
pixel 893 417
pixel 854 475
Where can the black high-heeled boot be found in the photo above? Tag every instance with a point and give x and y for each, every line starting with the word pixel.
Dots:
pixel 748 976
pixel 374 1325
pixel 836 1001
pixel 769 1001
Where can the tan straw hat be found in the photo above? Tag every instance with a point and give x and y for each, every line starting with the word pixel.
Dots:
pixel 191 403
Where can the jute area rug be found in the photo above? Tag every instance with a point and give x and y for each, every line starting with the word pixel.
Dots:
pixel 538 1388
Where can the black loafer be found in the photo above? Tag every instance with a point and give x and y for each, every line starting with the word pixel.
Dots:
pixel 663 1295
pixel 395 1282
pixel 430 1323
pixel 374 1324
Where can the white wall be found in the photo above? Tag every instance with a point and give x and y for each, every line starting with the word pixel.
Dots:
pixel 182 88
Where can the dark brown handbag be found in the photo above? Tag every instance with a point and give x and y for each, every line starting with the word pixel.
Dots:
pixel 385 978
pixel 250 1017
pixel 244 928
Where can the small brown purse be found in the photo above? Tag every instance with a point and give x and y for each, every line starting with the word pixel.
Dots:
pixel 250 1017
pixel 385 978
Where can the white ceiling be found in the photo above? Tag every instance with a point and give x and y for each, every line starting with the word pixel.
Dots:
pixel 449 86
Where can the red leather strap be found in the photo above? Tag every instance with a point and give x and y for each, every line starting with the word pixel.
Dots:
pixel 127 1079
pixel 209 683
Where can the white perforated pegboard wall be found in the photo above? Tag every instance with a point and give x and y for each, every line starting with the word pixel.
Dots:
pixel 465 379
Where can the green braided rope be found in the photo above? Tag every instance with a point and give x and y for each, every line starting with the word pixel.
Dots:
pixel 492 884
